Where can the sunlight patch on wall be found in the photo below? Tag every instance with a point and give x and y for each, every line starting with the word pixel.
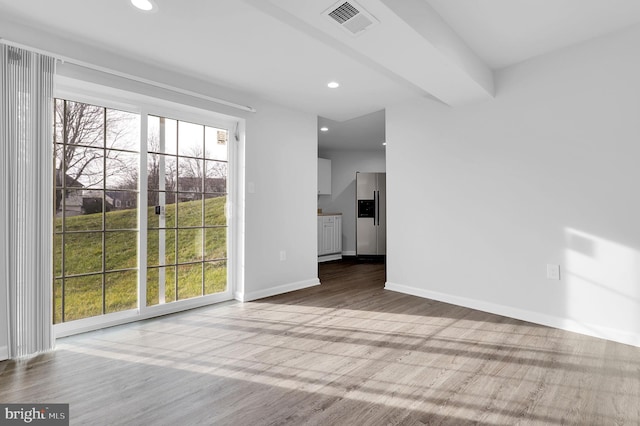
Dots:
pixel 602 281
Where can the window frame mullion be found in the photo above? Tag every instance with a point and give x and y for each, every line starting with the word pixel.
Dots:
pixel 142 213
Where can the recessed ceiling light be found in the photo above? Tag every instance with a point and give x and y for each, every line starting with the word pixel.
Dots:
pixel 144 5
pixel 333 85
pixel 324 129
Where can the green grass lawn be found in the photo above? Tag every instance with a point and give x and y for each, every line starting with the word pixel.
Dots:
pixel 84 255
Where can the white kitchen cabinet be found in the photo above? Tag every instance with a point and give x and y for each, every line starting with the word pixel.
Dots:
pixel 329 237
pixel 324 176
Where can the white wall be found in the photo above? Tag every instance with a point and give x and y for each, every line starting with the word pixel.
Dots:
pixel 344 165
pixel 482 198
pixel 281 164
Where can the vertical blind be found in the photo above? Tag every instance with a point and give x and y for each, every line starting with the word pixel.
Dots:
pixel 26 114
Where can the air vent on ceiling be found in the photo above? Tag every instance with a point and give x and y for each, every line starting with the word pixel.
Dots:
pixel 351 17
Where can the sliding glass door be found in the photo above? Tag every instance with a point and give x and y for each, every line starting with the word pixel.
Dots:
pixel 96 231
pixel 108 206
pixel 187 169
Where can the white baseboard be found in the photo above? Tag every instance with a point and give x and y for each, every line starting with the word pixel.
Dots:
pixel 562 323
pixel 329 257
pixel 349 253
pixel 273 291
pixel 4 353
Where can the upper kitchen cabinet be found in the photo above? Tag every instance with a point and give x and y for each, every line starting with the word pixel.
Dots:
pixel 324 176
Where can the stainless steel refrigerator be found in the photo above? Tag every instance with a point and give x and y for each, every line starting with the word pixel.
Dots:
pixel 371 216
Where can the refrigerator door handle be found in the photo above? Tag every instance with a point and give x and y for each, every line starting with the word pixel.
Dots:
pixel 375 207
pixel 376 196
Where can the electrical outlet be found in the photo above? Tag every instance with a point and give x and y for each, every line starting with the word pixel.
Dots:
pixel 283 255
pixel 553 272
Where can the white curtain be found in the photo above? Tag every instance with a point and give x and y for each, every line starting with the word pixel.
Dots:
pixel 26 214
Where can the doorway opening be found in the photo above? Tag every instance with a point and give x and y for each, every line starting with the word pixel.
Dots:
pixel 352 186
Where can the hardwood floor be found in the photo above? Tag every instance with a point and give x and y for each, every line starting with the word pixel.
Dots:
pixel 346 353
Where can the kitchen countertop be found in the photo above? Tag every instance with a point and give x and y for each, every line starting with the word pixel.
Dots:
pixel 329 214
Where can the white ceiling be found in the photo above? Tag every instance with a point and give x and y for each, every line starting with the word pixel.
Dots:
pixel 286 52
pixel 505 32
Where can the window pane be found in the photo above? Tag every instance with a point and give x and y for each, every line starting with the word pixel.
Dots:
pixel 85 124
pixel 83 253
pixel 83 210
pixel 170 135
pixel 58 121
pixel 57 223
pixel 123 213
pixel 85 167
pixel 152 286
pixel 121 250
pixel 189 210
pixel 190 139
pixel 215 243
pixel 171 207
pixel 83 297
pixel 57 301
pixel 57 255
pixel 154 277
pixel 123 130
pixel 162 170
pixel 216 176
pixel 92 208
pixel 214 210
pixel 121 291
pixel 155 144
pixel 152 247
pixel 216 141
pixel 170 284
pixel 153 133
pixel 58 152
pixel 190 175
pixel 215 277
pixel 189 281
pixel 154 238
pixel 57 220
pixel 122 170
pixel 189 245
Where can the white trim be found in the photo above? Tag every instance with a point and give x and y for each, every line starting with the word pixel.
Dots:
pixel 118 318
pixel 233 208
pixel 349 253
pixel 329 257
pixel 142 211
pixel 238 206
pixel 563 323
pixel 130 101
pixel 4 353
pixel 273 291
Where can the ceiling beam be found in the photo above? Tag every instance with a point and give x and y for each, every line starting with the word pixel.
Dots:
pixel 411 42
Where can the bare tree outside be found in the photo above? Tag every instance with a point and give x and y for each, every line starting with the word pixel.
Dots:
pixel 91 145
pixel 198 174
